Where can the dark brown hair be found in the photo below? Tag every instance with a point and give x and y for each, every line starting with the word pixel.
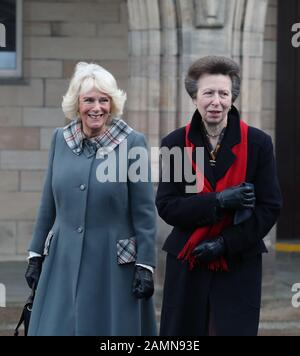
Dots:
pixel 213 65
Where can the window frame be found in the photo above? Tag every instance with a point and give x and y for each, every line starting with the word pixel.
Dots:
pixel 17 72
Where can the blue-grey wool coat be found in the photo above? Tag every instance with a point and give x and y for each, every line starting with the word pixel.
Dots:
pixel 83 290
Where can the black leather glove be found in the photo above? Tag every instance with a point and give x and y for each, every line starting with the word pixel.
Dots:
pixel 143 285
pixel 33 271
pixel 239 197
pixel 210 250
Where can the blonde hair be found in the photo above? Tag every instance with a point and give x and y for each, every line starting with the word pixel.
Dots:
pixel 89 76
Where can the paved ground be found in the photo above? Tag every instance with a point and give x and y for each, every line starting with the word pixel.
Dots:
pixel 278 317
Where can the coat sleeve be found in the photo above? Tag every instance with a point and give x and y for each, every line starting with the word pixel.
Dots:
pixel 46 214
pixel 179 209
pixel 142 207
pixel 241 237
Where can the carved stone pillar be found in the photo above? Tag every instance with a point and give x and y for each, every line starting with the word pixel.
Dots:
pixel 144 62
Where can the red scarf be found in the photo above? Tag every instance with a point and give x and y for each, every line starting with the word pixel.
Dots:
pixel 235 175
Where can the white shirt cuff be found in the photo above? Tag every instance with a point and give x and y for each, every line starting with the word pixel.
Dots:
pixel 151 269
pixel 33 254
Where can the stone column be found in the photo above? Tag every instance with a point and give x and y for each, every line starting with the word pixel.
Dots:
pixel 144 62
pixel 252 61
pixel 169 68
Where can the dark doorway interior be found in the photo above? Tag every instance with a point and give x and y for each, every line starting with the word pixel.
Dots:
pixel 288 120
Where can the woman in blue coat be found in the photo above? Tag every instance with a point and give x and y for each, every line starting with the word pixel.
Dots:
pixel 214 252
pixel 92 252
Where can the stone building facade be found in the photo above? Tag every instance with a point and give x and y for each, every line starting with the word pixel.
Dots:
pixel 148 46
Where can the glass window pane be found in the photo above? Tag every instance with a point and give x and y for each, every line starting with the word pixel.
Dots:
pixel 9 46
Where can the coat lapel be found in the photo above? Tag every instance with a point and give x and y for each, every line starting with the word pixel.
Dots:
pixel 195 136
pixel 225 157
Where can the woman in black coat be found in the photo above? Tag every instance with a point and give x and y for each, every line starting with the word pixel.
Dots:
pixel 214 265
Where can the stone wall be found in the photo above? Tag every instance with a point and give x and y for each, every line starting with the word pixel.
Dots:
pixel 148 45
pixel 57 34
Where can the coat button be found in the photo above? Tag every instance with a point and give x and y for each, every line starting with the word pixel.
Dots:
pixel 80 229
pixel 82 187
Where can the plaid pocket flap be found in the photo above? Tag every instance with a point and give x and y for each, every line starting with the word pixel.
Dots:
pixel 126 251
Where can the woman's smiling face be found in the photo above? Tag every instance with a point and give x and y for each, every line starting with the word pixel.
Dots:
pixel 94 112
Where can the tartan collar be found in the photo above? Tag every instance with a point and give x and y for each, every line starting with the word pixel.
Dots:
pixel 111 138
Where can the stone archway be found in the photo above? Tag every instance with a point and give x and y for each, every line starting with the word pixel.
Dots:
pixel 166 36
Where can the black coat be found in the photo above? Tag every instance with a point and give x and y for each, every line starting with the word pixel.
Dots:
pixel 244 242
